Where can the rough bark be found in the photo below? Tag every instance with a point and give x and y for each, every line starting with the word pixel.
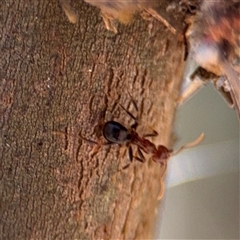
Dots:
pixel 59 80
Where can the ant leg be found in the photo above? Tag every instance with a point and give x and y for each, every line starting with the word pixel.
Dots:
pixel 136 108
pixel 162 185
pixel 87 140
pixel 95 148
pixel 127 112
pixel 130 153
pixel 133 126
pixel 134 103
pixel 126 166
pixel 131 157
pixel 141 155
pixel 154 134
pixel 139 159
pixel 94 142
pixel 162 190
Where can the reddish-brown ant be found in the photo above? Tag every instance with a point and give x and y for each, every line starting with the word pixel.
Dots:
pixel 116 133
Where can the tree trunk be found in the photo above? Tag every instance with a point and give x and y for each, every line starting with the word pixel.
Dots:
pixel 60 81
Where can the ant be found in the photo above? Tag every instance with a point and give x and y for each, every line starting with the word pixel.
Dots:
pixel 115 133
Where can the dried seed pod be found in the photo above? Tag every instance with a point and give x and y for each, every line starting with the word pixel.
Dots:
pixel 123 11
pixel 214 38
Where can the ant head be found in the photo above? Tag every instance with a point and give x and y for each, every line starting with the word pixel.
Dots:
pixel 115 132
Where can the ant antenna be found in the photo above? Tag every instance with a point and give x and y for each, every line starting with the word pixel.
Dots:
pixel 194 143
pixel 190 144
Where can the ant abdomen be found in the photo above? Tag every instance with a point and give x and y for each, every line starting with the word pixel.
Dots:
pixel 115 132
